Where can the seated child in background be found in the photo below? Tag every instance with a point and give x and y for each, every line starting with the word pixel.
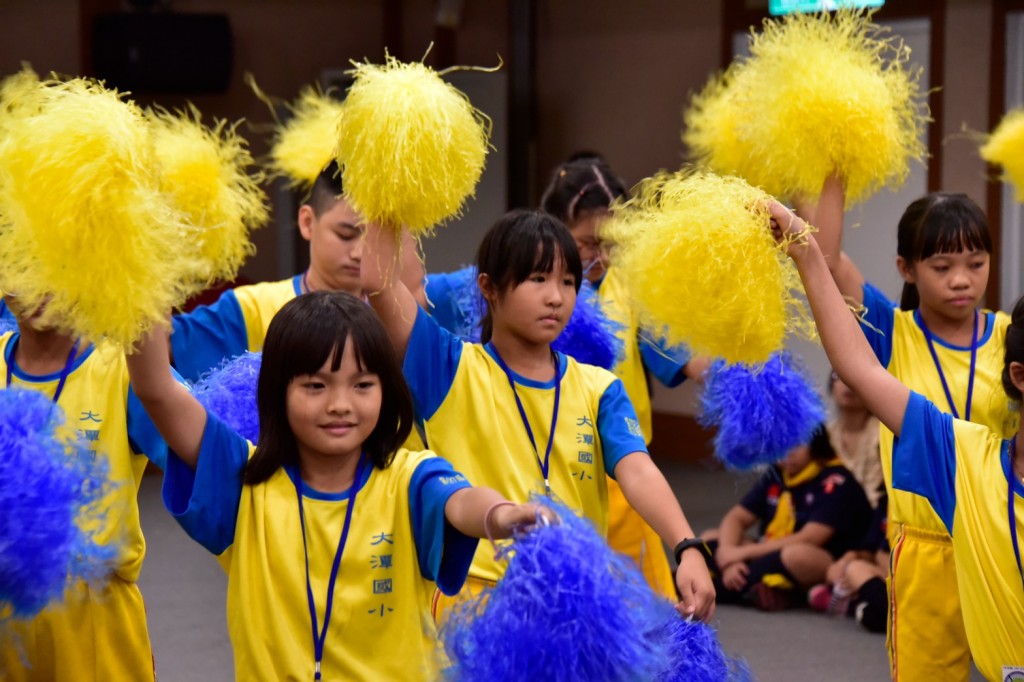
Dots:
pixel 856 583
pixel 810 510
pixel 854 433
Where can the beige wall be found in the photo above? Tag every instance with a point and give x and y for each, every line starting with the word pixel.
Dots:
pixel 965 94
pixel 614 77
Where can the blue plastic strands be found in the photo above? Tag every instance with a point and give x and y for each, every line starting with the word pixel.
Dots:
pixel 589 337
pixel 229 391
pixel 50 491
pixel 760 412
pixel 569 608
pixel 695 654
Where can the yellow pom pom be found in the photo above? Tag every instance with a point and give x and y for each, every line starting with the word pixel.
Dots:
pixel 1005 147
pixel 712 130
pixel 304 145
pixel 411 147
pixel 204 172
pixel 704 269
pixel 821 95
pixel 82 221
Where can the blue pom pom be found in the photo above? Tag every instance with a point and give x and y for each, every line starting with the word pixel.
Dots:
pixel 590 336
pixel 761 412
pixel 229 391
pixel 568 608
pixel 51 488
pixel 695 653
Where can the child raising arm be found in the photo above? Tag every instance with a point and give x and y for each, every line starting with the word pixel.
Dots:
pixel 547 422
pixel 973 479
pixel 377 525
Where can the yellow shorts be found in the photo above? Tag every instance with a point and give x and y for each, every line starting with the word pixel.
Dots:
pixel 442 603
pixel 926 636
pixel 97 634
pixel 629 534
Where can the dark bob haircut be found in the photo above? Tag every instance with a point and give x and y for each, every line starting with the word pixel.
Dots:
pixel 307 331
pixel 520 243
pixel 939 223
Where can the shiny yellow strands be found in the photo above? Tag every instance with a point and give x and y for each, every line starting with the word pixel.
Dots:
pixel 411 147
pixel 821 94
pixel 82 220
pixel 204 172
pixel 304 145
pixel 1005 147
pixel 704 269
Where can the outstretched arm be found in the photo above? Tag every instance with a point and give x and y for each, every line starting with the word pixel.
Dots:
pixel 847 349
pixel 478 511
pixel 827 215
pixel 178 416
pixel 647 491
pixel 381 274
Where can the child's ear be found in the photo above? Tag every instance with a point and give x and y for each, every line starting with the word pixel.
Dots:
pixel 486 286
pixel 307 218
pixel 1017 375
pixel 906 270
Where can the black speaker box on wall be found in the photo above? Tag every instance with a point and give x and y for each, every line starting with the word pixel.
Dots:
pixel 163 52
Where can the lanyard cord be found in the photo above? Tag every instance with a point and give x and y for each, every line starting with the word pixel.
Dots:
pixel 938 366
pixel 320 637
pixel 63 373
pixel 1011 509
pixel 545 463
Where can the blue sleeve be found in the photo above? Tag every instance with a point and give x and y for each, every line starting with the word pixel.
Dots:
pixel 443 306
pixel 205 501
pixel 618 427
pixel 877 322
pixel 142 432
pixel 924 457
pixel 207 335
pixel 444 553
pixel 756 499
pixel 665 362
pixel 431 360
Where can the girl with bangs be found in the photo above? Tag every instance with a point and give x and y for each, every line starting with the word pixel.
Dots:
pixel 515 415
pixel 332 536
pixel 941 344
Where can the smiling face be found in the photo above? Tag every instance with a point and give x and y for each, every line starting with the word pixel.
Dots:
pixel 949 284
pixel 537 309
pixel 335 247
pixel 332 413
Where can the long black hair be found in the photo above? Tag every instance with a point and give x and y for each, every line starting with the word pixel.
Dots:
pixel 939 223
pixel 307 331
pixel 520 243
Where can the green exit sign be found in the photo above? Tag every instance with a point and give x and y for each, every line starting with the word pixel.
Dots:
pixel 789 6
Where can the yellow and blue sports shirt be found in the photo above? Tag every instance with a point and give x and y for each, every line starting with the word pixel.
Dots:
pixel 399 544
pixel 642 351
pixel 235 323
pixel 463 399
pixel 900 345
pixel 99 404
pixel 964 472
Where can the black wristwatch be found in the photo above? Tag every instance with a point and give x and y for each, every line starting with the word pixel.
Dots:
pixel 691 543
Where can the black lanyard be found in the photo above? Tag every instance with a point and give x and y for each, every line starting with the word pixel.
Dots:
pixel 320 636
pixel 546 462
pixel 63 373
pixel 938 365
